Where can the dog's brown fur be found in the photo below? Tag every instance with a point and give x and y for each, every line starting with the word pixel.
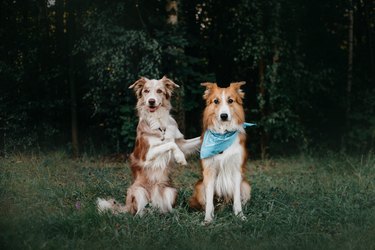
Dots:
pixel 213 166
pixel 158 142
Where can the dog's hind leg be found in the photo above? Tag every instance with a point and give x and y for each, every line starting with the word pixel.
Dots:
pixel 136 199
pixel 245 192
pixel 197 200
pixel 169 198
pixel 163 198
pixel 156 197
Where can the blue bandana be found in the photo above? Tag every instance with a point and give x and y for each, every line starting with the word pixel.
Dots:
pixel 216 143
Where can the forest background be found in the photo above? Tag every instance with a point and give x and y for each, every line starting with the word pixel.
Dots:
pixel 65 68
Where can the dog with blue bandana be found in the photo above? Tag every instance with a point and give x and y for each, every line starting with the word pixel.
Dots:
pixel 223 152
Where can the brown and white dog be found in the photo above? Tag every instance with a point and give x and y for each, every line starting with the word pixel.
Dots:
pixel 158 144
pixel 223 173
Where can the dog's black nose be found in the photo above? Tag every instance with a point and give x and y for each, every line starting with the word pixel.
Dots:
pixel 224 116
pixel 151 102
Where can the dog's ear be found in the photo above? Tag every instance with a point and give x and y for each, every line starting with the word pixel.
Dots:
pixel 169 83
pixel 237 87
pixel 138 86
pixel 209 87
pixel 169 86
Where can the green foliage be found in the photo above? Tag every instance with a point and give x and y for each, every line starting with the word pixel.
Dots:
pixel 308 202
pixel 116 57
pixel 292 54
pixel 262 38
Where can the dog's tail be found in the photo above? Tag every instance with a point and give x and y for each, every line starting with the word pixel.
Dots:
pixel 110 205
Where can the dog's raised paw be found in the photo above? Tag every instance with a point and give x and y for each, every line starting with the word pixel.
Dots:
pixel 180 159
pixel 183 162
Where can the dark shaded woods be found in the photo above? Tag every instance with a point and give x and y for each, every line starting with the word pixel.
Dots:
pixel 65 67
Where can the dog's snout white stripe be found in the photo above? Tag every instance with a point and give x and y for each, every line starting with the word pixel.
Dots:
pixel 152 86
pixel 224 108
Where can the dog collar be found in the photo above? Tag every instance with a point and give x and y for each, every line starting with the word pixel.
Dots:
pixel 216 143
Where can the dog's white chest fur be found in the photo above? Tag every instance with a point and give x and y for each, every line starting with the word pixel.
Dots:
pixel 227 165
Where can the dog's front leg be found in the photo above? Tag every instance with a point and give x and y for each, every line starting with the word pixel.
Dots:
pixel 209 175
pixel 237 207
pixel 189 146
pixel 163 148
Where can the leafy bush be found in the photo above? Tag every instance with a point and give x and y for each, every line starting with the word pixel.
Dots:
pixel 116 57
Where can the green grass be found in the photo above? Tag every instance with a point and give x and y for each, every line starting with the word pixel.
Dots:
pixel 48 202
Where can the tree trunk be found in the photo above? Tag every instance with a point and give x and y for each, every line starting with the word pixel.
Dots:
pixel 370 41
pixel 71 80
pixel 263 110
pixel 350 68
pixel 180 110
pixel 172 19
pixel 171 9
pixel 274 74
pixel 73 110
pixel 60 39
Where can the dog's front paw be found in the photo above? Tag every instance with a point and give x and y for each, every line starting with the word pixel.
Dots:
pixel 206 222
pixel 241 216
pixel 180 158
pixel 182 161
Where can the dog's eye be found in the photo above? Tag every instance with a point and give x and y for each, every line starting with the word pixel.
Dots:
pixel 230 101
pixel 216 101
pixel 146 91
pixel 159 91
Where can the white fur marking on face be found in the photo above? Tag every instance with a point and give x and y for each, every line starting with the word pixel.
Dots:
pixel 230 124
pixel 152 87
pixel 224 107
